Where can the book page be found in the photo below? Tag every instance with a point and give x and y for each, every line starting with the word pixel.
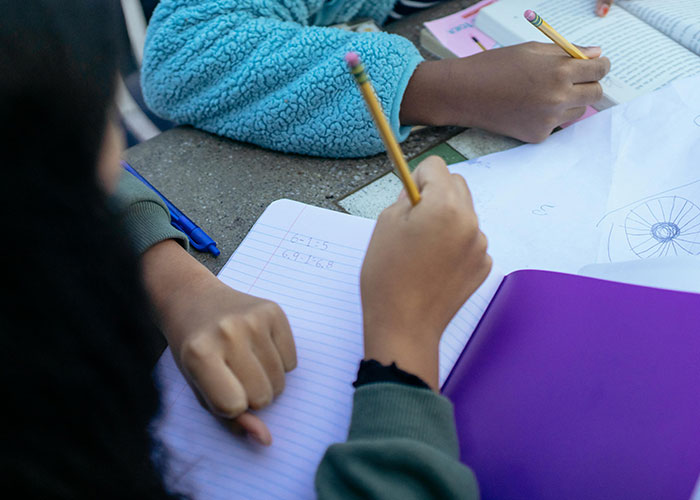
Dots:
pixel 642 58
pixel 678 19
pixel 308 260
pixel 619 186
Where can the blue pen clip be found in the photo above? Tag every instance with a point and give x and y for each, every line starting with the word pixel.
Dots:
pixel 200 240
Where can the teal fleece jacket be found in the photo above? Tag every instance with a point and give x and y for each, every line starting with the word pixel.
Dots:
pixel 272 73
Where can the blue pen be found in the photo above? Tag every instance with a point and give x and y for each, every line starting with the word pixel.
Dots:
pixel 198 238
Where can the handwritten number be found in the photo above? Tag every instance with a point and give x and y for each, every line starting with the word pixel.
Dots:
pixel 543 210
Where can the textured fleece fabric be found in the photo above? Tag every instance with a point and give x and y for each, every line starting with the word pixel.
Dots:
pixel 402 444
pixel 270 73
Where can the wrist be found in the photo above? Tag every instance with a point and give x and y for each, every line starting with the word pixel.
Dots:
pixel 172 277
pixel 414 354
pixel 424 102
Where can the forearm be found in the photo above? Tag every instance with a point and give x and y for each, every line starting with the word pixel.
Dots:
pixel 144 215
pixel 402 443
pixel 263 75
pixel 172 278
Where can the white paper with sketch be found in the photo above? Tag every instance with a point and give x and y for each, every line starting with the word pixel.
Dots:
pixel 308 260
pixel 621 185
pixel 642 57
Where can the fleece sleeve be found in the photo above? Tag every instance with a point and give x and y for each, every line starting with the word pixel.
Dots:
pixel 402 444
pixel 261 72
pixel 144 215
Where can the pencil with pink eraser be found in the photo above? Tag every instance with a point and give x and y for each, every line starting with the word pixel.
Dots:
pixel 392 146
pixel 552 34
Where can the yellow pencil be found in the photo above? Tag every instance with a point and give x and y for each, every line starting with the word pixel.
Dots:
pixel 392 147
pixel 551 33
pixel 476 40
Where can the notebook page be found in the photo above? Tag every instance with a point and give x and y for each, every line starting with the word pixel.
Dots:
pixel 678 19
pixel 307 260
pixel 642 58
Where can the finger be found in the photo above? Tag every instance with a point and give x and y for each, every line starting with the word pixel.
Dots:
pixel 402 195
pixel 218 386
pixel 591 52
pixel 460 184
pixel 283 339
pixel 252 376
pixel 253 426
pixel 586 94
pixel 591 70
pixel 271 361
pixel 432 175
pixel 573 114
pixel 603 7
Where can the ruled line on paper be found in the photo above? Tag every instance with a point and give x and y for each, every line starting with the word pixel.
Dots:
pixel 317 286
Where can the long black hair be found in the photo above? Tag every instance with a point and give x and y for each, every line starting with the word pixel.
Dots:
pixel 77 335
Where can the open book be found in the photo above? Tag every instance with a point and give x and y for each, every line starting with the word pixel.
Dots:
pixel 649 42
pixel 308 260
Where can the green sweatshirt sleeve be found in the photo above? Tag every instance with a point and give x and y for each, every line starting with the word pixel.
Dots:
pixel 402 444
pixel 144 215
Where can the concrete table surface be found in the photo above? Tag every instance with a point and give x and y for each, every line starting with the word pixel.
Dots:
pixel 224 185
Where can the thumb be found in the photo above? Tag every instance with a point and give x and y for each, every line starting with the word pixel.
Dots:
pixel 431 174
pixel 253 426
pixel 591 52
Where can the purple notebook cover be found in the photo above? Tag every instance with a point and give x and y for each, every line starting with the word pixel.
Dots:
pixel 577 388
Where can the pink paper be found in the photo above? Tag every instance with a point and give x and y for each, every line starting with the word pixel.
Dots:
pixel 589 112
pixel 456 31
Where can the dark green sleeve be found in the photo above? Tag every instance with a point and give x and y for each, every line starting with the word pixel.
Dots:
pixel 144 214
pixel 402 444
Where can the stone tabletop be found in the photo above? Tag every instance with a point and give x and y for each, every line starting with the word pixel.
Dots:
pixel 224 185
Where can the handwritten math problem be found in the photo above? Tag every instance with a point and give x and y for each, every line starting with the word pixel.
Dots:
pixel 305 258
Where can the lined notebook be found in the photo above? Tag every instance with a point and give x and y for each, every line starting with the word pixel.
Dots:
pixel 564 386
pixel 307 260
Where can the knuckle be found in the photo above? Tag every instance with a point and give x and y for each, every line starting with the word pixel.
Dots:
pixel 597 92
pixel 482 243
pixel 603 68
pixel 278 386
pixel 562 74
pixel 195 350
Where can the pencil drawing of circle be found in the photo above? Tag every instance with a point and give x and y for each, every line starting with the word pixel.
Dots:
pixel 668 225
pixel 697 120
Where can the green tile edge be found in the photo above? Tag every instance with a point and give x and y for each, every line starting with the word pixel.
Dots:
pixel 443 150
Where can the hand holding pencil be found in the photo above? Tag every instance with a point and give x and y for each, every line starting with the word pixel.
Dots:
pixel 422 264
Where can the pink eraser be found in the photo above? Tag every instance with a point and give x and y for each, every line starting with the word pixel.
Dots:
pixel 530 15
pixel 352 58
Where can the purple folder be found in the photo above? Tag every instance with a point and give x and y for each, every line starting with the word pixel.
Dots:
pixel 578 388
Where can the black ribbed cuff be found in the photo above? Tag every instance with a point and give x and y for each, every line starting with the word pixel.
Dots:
pixel 372 371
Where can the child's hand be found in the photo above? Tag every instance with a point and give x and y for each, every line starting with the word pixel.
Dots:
pixel 523 91
pixel 233 348
pixel 603 7
pixel 422 264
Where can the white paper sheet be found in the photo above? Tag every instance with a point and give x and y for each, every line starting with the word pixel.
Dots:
pixel 571 200
pixel 307 260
